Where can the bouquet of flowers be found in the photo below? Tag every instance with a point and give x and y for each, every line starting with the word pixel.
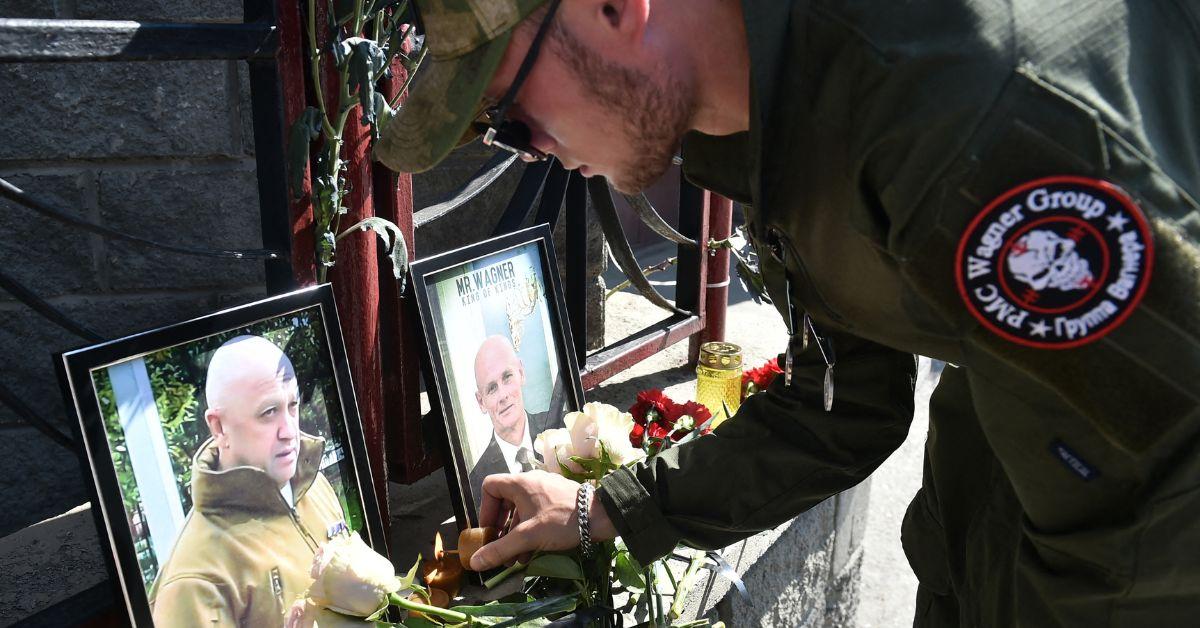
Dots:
pixel 354 585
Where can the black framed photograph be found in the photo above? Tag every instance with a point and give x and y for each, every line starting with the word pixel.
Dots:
pixel 225 451
pixel 501 356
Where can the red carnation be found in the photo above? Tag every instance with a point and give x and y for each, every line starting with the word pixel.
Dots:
pixel 649 401
pixel 758 379
pixel 637 435
pixel 697 411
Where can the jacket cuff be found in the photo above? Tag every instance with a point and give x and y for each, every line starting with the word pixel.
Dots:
pixel 638 520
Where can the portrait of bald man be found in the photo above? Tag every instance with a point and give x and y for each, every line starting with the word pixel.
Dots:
pixel 499 382
pixel 260 505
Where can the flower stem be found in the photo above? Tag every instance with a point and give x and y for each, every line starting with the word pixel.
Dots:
pixel 444 613
pixel 685 583
pixel 503 575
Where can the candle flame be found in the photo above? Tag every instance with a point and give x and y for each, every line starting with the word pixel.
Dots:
pixel 437 546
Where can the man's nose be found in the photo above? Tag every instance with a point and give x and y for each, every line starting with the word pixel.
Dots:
pixel 541 140
pixel 289 427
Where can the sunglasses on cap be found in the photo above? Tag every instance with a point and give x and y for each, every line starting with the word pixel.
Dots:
pixel 513 135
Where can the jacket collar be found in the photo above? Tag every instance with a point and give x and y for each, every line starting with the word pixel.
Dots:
pixel 248 489
pixel 731 165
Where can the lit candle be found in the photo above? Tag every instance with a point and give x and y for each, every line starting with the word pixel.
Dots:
pixel 442 573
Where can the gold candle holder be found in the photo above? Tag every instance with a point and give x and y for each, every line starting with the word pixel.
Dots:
pixel 719 379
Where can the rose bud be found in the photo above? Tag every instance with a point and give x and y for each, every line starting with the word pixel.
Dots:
pixel 351 578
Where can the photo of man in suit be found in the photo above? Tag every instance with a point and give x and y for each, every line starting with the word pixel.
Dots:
pixel 499 378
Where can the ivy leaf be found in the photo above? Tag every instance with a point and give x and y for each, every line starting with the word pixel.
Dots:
pixel 366 61
pixel 306 129
pixel 393 242
pixel 555 566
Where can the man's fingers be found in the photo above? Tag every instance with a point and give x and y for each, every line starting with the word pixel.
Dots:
pixel 500 551
pixel 496 489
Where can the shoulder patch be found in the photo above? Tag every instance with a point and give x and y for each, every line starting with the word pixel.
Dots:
pixel 1055 263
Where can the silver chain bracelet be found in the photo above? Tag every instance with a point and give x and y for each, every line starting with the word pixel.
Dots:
pixel 583 499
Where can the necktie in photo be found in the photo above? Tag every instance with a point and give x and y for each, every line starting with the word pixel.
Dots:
pixel 523 457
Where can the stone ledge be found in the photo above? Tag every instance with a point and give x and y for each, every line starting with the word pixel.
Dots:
pixel 49 563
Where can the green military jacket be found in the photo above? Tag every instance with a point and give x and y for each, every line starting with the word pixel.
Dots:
pixel 244 555
pixel 1009 186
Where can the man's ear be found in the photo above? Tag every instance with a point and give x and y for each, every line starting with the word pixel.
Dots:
pixel 626 19
pixel 479 400
pixel 212 416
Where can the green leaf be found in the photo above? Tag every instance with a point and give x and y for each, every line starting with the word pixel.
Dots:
pixel 555 566
pixel 629 572
pixel 393 242
pixel 541 608
pixel 510 609
pixel 407 579
pixel 571 475
pixel 606 458
pixel 590 465
pixel 306 129
pixel 537 622
pixel 365 61
pixel 326 245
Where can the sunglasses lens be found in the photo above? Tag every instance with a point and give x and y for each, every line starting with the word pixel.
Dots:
pixel 515 134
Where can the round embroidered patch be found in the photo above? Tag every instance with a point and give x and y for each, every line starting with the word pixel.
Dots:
pixel 1055 263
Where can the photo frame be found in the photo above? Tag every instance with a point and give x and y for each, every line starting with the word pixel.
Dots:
pixel 502 367
pixel 225 447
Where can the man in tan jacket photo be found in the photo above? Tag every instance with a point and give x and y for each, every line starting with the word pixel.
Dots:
pixel 260 506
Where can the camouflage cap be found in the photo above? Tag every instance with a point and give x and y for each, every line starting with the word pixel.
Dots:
pixel 466 40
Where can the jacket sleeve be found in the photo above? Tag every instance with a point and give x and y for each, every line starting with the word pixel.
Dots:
pixel 191 601
pixel 779 455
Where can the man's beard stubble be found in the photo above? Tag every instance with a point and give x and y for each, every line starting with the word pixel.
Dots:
pixel 655 117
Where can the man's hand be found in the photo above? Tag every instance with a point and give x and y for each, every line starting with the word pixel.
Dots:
pixel 545 517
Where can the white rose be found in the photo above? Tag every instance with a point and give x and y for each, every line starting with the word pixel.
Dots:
pixel 601 423
pixel 555 445
pixel 349 577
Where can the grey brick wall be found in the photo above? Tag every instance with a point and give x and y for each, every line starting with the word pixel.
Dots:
pixel 161 150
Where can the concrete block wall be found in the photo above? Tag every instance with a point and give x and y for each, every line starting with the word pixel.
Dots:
pixel 163 150
pixel 805 573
